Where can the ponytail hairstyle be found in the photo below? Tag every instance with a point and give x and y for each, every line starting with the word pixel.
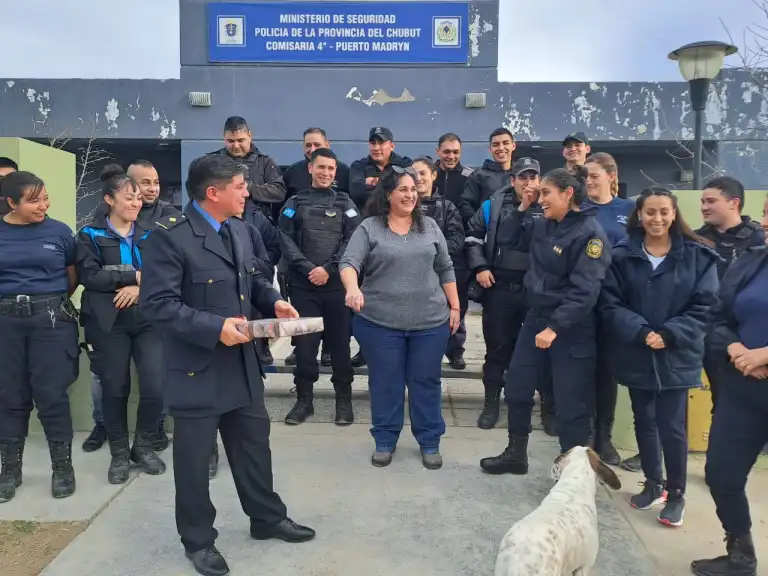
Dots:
pixel 679 225
pixel 114 179
pixel 16 185
pixel 607 163
pixel 575 178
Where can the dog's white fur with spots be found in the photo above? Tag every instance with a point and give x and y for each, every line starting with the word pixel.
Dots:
pixel 559 538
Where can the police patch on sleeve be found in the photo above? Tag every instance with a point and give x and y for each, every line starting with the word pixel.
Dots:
pixel 595 248
pixel 351 213
pixel 289 212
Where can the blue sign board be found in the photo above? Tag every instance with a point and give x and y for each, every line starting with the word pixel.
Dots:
pixel 401 32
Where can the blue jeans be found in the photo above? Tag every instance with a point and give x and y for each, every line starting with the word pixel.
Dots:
pixel 400 358
pixel 98 415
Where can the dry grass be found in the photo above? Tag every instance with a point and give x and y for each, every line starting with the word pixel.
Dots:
pixel 28 547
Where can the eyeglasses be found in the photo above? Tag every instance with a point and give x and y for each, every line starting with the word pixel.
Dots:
pixel 400 170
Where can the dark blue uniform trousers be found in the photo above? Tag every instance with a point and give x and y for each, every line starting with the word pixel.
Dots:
pixel 456 341
pixel 571 360
pixel 40 362
pixel 739 432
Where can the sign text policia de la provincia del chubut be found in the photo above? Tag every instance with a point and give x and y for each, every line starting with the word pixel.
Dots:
pixel 339 32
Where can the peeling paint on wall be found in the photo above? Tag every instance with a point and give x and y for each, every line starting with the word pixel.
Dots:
pixel 379 96
pixel 517 122
pixel 477 27
pixel 112 113
pixel 31 94
pixel 582 110
pixel 10 83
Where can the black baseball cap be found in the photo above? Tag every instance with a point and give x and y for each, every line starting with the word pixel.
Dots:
pixel 526 165
pixel 380 133
pixel 576 137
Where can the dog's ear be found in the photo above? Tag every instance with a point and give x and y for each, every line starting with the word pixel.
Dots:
pixel 560 458
pixel 602 470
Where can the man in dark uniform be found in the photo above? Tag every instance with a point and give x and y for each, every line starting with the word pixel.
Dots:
pixel 146 176
pixel 492 177
pixel 364 173
pixel 451 173
pixel 199 282
pixel 721 204
pixel 266 188
pixel 315 227
pixel 499 270
pixel 298 178
pixel 576 148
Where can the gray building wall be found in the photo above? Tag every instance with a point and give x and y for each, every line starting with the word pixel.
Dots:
pixel 417 103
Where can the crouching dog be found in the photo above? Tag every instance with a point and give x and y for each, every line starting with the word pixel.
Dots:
pixel 560 536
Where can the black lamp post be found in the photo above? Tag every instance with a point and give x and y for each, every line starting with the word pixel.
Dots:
pixel 699 63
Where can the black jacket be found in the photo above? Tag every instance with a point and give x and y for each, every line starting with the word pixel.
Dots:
pixel 726 329
pixel 148 215
pixel 447 216
pixel 265 184
pixel 481 185
pixel 316 221
pixel 105 263
pixel 450 183
pixel 674 301
pixel 568 262
pixel 269 236
pixel 364 168
pixel 189 285
pixel 492 238
pixel 733 242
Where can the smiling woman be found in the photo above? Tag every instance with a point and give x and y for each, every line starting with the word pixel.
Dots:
pixel 37 256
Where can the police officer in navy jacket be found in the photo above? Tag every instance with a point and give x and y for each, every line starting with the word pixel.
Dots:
pixel 740 425
pixel 569 255
pixel 38 331
pixel 109 262
pixel 654 305
pixel 199 281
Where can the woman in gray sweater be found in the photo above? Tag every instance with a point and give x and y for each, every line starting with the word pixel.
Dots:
pixel 405 311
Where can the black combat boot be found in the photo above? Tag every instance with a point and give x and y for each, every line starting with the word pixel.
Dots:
pixel 549 417
pixel 514 460
pixel 290 360
pixel 120 465
pixel 358 360
pixel 63 477
pixel 11 454
pixel 95 439
pixel 740 559
pixel 160 438
pixel 344 413
pixel 304 408
pixel 144 455
pixel 603 442
pixel 325 358
pixel 213 462
pixel 490 414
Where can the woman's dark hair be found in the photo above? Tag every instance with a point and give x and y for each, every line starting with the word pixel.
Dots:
pixel 575 178
pixel 428 160
pixel 17 185
pixel 679 225
pixel 378 203
pixel 114 178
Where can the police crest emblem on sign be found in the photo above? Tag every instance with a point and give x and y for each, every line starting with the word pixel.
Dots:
pixel 446 32
pixel 231 31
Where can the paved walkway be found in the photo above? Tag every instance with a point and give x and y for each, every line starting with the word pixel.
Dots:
pixel 401 520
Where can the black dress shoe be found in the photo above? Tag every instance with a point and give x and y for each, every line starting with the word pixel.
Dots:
pixel 287 530
pixel 209 562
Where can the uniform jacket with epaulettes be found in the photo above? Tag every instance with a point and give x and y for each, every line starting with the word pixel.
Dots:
pixel 105 263
pixel 190 284
pixel 315 227
pixel 509 261
pixel 481 185
pixel 568 263
pixel 447 216
pixel 450 183
pixel 730 244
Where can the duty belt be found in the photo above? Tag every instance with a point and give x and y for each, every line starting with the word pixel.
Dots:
pixel 24 305
pixel 509 286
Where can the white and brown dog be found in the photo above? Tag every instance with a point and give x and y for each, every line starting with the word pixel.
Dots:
pixel 559 538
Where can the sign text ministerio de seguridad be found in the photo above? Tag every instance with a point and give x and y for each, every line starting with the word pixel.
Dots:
pixel 370 32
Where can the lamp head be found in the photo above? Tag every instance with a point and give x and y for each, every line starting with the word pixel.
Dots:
pixel 702 60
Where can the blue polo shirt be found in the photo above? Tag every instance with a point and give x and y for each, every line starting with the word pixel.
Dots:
pixel 34 257
pixel 613 217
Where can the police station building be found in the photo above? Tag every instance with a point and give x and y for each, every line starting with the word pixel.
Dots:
pixel 156 79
